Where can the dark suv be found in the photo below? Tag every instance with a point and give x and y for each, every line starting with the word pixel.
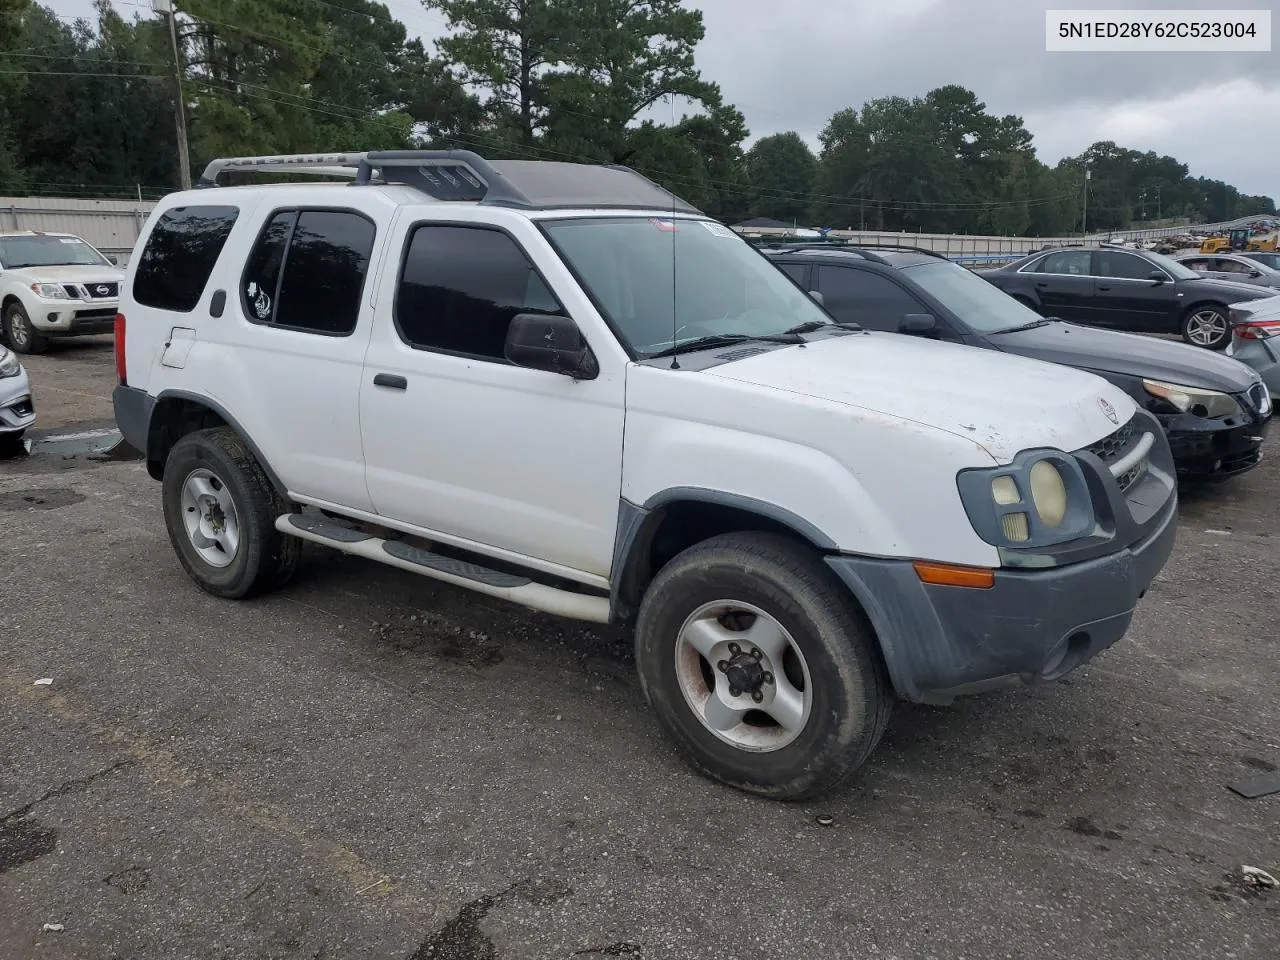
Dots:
pixel 1214 409
pixel 1124 289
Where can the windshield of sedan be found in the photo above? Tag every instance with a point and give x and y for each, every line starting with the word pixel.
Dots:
pixel 1175 269
pixel 659 278
pixel 19 252
pixel 981 305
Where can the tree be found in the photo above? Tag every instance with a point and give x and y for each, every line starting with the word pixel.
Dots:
pixel 11 86
pixel 782 171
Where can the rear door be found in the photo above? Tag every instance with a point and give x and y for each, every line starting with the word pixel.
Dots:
pixel 1063 282
pixel 1126 298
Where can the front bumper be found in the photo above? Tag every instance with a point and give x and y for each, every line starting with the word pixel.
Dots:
pixel 941 642
pixel 1212 449
pixel 73 318
pixel 17 411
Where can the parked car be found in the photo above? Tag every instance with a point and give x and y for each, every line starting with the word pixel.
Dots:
pixel 1255 341
pixel 1271 260
pixel 17 412
pixel 1231 266
pixel 572 390
pixel 54 285
pixel 1213 408
pixel 1131 290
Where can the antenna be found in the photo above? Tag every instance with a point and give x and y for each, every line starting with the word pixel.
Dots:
pixel 675 325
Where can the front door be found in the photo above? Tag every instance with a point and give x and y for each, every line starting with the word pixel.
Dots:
pixel 1064 285
pixel 1127 296
pixel 510 461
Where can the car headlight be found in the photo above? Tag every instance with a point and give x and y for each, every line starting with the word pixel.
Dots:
pixel 1039 500
pixel 50 291
pixel 9 366
pixel 1209 404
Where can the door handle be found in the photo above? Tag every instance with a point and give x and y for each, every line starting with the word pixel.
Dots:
pixel 1104 288
pixel 392 380
pixel 1042 283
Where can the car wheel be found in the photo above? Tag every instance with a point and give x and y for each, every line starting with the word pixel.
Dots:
pixel 11 443
pixel 220 510
pixel 761 667
pixel 20 333
pixel 1206 325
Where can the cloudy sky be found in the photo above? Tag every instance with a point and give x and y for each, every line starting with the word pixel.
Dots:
pixel 790 65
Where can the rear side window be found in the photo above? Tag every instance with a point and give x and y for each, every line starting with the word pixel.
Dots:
pixel 179 256
pixel 307 271
pixel 460 287
pixel 1124 266
pixel 1074 263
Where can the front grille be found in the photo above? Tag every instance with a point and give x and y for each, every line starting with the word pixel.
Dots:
pixel 1114 446
pixel 72 291
pixel 102 291
pixel 105 313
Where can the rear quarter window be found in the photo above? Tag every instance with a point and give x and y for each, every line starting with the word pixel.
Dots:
pixel 180 253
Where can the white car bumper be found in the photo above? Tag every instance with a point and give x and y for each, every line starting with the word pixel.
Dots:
pixel 16 409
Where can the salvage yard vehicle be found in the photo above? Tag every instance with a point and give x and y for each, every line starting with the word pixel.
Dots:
pixel 1232 266
pixel 17 411
pixel 54 285
pixel 1132 290
pixel 1255 339
pixel 560 385
pixel 1215 411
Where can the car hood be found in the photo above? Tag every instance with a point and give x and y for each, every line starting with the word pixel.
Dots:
pixel 1128 355
pixel 1003 403
pixel 69 274
pixel 1228 290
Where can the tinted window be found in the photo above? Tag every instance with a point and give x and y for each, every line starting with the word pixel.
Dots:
pixel 179 256
pixel 1123 266
pixel 793 270
pixel 461 286
pixel 1223 265
pixel 867 298
pixel 307 270
pixel 1073 263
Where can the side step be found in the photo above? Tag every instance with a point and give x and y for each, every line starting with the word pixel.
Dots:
pixel 494 583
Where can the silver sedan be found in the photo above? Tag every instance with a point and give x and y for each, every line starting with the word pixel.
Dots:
pixel 1240 267
pixel 16 409
pixel 1255 339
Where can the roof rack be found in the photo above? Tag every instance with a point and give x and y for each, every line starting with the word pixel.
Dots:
pixel 461 175
pixel 864 250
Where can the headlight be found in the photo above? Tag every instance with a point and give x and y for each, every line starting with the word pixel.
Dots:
pixel 8 363
pixel 1039 500
pixel 50 291
pixel 1209 404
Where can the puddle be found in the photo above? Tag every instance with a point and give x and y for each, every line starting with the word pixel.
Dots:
pixel 45 498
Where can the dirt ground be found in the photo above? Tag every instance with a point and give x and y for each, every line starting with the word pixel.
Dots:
pixel 370 764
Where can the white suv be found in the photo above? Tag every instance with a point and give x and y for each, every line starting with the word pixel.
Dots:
pixel 560 385
pixel 54 285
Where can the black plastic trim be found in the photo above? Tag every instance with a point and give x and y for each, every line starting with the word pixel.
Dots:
pixel 231 421
pixel 450 565
pixel 329 529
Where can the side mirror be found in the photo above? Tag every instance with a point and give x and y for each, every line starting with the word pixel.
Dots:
pixel 818 298
pixel 918 323
pixel 550 343
pixel 115 260
pixel 1255 274
pixel 1156 276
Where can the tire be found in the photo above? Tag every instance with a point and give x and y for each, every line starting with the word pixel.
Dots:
pixel 11 443
pixel 833 657
pixel 258 558
pixel 1206 325
pixel 20 333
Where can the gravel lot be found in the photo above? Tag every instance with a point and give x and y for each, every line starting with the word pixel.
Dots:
pixel 373 765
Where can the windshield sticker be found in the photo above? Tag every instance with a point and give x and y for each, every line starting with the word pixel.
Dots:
pixel 719 229
pixel 69 240
pixel 666 226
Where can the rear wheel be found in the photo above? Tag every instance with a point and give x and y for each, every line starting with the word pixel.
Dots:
pixel 1206 325
pixel 220 510
pixel 20 333
pixel 760 667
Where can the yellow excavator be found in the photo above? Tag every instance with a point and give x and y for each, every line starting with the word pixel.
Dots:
pixel 1240 240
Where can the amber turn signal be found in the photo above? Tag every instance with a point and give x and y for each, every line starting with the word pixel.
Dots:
pixel 949 575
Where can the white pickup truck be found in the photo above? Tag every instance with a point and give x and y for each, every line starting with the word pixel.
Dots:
pixel 560 385
pixel 54 285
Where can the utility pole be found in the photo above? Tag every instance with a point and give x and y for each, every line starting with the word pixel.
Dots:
pixel 167 8
pixel 1084 217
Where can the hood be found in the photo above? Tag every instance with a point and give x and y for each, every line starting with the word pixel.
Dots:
pixel 1229 290
pixel 1128 354
pixel 1003 403
pixel 71 274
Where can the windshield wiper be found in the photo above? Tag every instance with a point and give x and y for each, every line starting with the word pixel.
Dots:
pixel 724 340
pixel 1027 326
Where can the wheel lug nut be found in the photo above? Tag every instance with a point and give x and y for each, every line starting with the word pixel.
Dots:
pixel 757 696
pixel 735 692
pixel 734 649
pixel 723 666
pixel 768 677
pixel 757 653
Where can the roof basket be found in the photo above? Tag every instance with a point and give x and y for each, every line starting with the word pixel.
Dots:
pixel 460 175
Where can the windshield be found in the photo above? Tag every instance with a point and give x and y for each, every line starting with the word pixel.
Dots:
pixel 19 252
pixel 981 305
pixel 722 286
pixel 1176 270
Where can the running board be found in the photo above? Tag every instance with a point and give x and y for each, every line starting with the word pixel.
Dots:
pixel 493 583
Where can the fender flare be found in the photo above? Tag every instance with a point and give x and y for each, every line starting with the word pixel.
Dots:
pixel 230 421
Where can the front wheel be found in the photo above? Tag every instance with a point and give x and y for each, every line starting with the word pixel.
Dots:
pixel 21 334
pixel 760 666
pixel 1206 326
pixel 220 510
